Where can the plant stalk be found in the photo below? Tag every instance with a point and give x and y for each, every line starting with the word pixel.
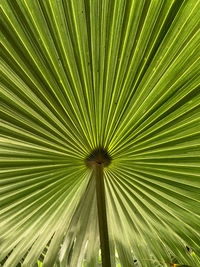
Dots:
pixel 102 218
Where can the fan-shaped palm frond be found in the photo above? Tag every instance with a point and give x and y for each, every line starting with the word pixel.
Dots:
pixel 100 133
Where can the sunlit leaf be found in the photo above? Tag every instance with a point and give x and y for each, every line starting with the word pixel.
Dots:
pixel 83 76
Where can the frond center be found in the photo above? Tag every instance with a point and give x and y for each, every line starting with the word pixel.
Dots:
pixel 98 156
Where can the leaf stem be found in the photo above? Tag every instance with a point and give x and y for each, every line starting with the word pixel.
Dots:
pixel 102 218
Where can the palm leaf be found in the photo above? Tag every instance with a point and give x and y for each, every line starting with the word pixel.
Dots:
pixel 83 77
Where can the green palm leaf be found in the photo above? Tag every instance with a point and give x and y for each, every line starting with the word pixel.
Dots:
pixel 81 79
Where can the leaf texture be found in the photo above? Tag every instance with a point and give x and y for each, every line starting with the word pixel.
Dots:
pixel 77 75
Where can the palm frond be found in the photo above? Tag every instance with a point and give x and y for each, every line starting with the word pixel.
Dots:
pixel 83 76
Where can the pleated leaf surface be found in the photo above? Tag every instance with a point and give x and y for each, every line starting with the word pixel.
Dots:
pixel 77 75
